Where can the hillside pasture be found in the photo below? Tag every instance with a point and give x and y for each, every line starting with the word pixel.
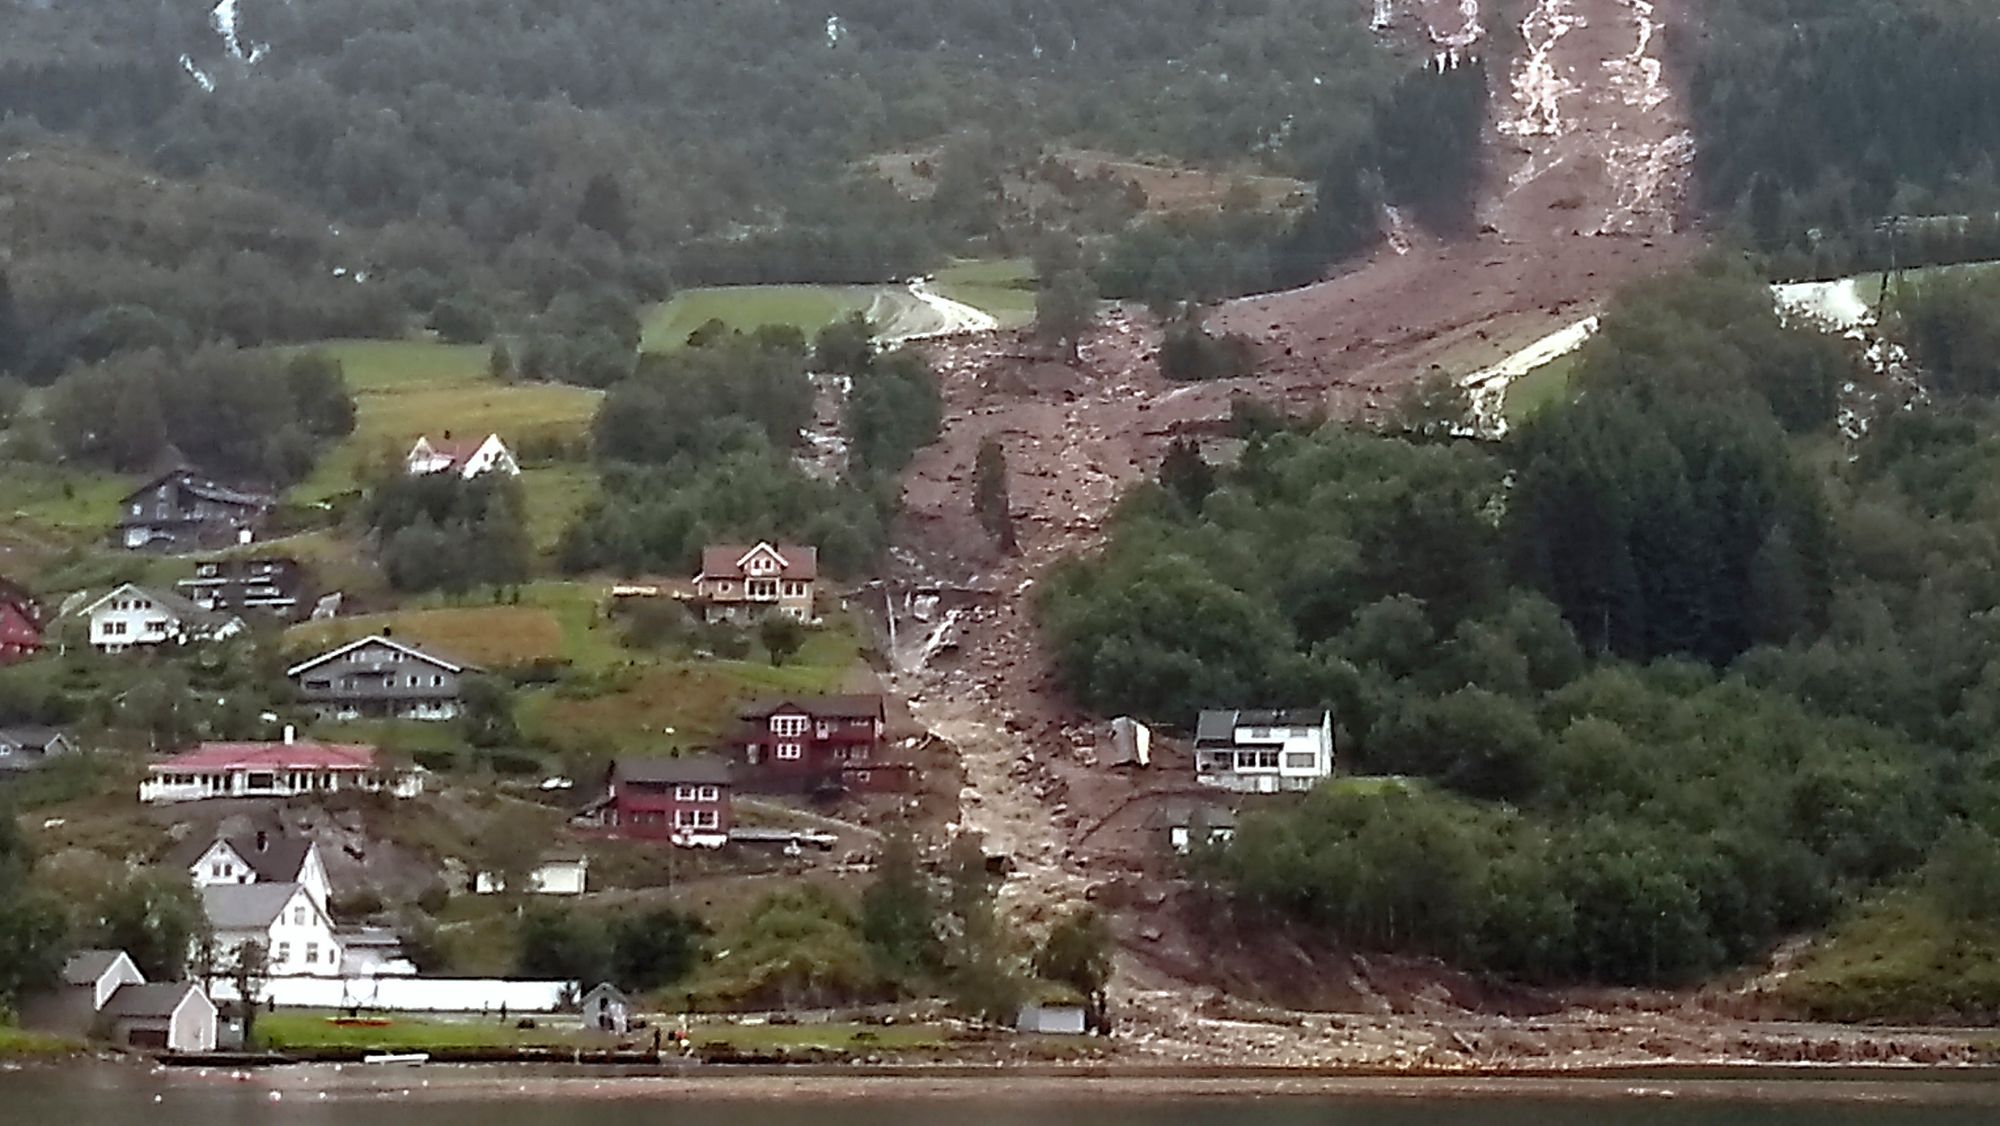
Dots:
pixel 746 308
pixel 1004 287
pixel 492 636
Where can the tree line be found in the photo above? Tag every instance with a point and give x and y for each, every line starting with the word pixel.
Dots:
pixel 1659 682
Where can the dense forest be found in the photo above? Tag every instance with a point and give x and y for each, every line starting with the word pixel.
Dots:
pixel 1664 677
pixel 351 166
pixel 1818 121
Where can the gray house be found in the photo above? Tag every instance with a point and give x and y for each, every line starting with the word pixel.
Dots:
pixel 380 677
pixel 101 994
pixel 28 748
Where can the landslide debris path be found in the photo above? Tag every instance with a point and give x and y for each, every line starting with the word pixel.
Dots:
pixel 1589 162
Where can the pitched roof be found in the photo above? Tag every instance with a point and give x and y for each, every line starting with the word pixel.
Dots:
pixel 279 861
pixel 175 604
pixel 268 756
pixel 725 560
pixel 203 487
pixel 826 707
pixel 85 967
pixel 1221 725
pixel 155 1000
pixel 29 736
pixel 245 906
pixel 453 450
pixel 426 656
pixel 706 770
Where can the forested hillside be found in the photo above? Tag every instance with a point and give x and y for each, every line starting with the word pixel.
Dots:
pixel 1666 684
pixel 502 153
pixel 1817 119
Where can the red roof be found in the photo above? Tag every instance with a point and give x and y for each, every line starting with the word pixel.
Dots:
pixel 455 450
pixel 268 756
pixel 725 561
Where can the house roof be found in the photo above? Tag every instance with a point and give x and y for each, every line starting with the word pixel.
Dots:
pixel 203 487
pixel 1220 726
pixel 29 736
pixel 608 990
pixel 155 1000
pixel 706 770
pixel 236 907
pixel 427 657
pixel 279 861
pixel 268 756
pixel 175 604
pixel 86 967
pixel 725 560
pixel 819 707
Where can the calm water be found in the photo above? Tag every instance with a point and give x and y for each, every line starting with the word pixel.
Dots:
pixel 131 1096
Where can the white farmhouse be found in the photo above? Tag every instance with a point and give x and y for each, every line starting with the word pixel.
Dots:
pixel 260 857
pixel 133 617
pixel 292 927
pixel 1264 752
pixel 293 768
pixel 467 459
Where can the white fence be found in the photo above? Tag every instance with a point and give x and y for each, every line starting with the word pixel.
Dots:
pixel 410 994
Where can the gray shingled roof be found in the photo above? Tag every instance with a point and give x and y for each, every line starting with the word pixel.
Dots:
pixel 245 906
pixel 157 1000
pixel 1220 726
pixel 277 862
pixel 86 966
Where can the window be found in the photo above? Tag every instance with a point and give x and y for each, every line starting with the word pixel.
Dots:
pixel 284 953
pixel 790 750
pixel 1301 760
pixel 437 681
pixel 697 819
pixel 298 916
pixel 708 793
pixel 684 793
pixel 218 870
pixel 312 953
pixel 789 725
pixel 762 588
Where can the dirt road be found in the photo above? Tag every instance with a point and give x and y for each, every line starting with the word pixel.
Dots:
pixel 1588 173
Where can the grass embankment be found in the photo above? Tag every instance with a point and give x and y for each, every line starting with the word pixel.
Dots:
pixel 832 1037
pixel 1901 960
pixel 1003 287
pixel 19 1043
pixel 1540 387
pixel 807 308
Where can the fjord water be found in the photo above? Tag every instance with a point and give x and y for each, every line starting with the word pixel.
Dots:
pixel 128 1096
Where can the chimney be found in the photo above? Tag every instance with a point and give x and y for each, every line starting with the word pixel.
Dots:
pixel 291 735
pixel 263 841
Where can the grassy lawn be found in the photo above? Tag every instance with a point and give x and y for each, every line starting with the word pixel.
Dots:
pixel 1540 387
pixel 403 388
pixel 745 307
pixel 296 1029
pixel 553 495
pixel 484 635
pixel 19 1043
pixel 1004 287
pixel 1900 960
pixel 73 501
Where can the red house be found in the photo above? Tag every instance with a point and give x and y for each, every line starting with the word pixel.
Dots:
pixel 20 625
pixel 682 800
pixel 817 745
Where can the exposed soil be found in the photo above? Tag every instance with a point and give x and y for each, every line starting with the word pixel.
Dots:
pixel 1589 167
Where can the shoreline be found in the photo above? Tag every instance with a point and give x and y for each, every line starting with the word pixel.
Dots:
pixel 1803 1084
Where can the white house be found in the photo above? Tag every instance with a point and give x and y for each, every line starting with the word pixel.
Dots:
pixel 293 768
pixel 1264 752
pixel 132 616
pixel 560 876
pixel 102 994
pixel 468 459
pixel 292 927
pixel 260 857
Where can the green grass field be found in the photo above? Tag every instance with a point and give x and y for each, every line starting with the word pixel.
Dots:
pixel 1004 287
pixel 305 1029
pixel 404 388
pixel 1540 387
pixel 19 1043
pixel 745 307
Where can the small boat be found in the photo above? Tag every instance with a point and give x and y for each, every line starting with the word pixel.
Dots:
pixel 397 1057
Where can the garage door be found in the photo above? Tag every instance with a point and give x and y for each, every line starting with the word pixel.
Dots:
pixel 154 1038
